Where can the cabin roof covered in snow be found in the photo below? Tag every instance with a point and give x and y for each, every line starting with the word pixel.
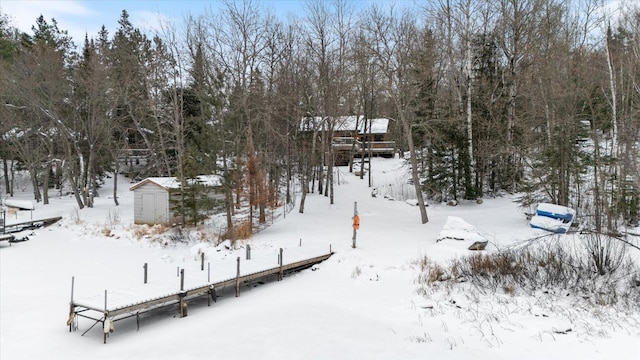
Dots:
pixel 347 123
pixel 378 126
pixel 172 182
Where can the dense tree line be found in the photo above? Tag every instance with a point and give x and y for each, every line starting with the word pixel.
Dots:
pixel 539 97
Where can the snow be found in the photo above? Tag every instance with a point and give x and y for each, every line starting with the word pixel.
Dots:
pixel 20 204
pixel 348 123
pixel 549 224
pixel 375 126
pixel 456 228
pixel 362 303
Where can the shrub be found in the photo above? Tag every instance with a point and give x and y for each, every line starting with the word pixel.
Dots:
pixel 240 231
pixel 542 268
pixel 430 272
pixel 143 230
pixel 179 235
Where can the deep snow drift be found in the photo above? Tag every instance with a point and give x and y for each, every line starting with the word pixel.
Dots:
pixel 362 303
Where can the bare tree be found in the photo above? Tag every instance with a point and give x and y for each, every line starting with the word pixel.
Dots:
pixel 516 23
pixel 462 28
pixel 395 46
pixel 237 42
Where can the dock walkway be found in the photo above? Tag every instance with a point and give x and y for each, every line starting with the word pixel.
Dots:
pixel 115 305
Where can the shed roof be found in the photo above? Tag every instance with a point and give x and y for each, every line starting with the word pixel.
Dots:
pixel 172 182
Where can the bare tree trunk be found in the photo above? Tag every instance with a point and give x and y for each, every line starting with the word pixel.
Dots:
pixel 115 185
pixel 613 100
pixel 45 183
pixel 5 168
pixel 34 182
pixel 362 153
pixel 74 187
pixel 90 179
pixel 304 187
pixel 228 192
pixel 330 177
pixel 471 166
pixel 13 177
pixel 320 167
pixel 415 178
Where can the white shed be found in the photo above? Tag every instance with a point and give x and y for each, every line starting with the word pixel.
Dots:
pixel 151 197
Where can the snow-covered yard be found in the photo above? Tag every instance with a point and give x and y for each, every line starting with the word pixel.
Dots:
pixel 362 303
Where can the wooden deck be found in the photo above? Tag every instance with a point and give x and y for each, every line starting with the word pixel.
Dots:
pixel 118 305
pixel 345 147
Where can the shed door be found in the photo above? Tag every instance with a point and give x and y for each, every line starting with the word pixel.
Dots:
pixel 154 208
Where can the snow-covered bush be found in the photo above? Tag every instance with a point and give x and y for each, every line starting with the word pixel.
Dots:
pixel 541 269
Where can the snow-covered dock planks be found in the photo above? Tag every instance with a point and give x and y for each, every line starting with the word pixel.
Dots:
pixel 30 225
pixel 120 304
pixel 7 237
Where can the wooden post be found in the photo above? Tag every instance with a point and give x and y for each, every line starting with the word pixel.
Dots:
pixel 201 261
pixel 300 242
pixel 178 271
pixel 208 272
pixel 145 267
pixel 355 230
pixel 238 278
pixel 281 274
pixel 105 324
pixel 181 279
pixel 105 330
pixel 73 280
pixel 248 252
pixel 183 304
pixel 71 306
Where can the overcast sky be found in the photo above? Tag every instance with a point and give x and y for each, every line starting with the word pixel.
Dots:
pixel 80 17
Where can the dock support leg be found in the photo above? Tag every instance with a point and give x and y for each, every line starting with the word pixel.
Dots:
pixel 107 327
pixel 72 308
pixel 72 316
pixel 238 278
pixel 281 273
pixel 183 305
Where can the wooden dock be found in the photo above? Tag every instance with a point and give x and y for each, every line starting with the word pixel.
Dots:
pixel 28 225
pixel 7 231
pixel 114 306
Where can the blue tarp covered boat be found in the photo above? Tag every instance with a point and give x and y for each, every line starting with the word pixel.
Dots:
pixel 554 218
